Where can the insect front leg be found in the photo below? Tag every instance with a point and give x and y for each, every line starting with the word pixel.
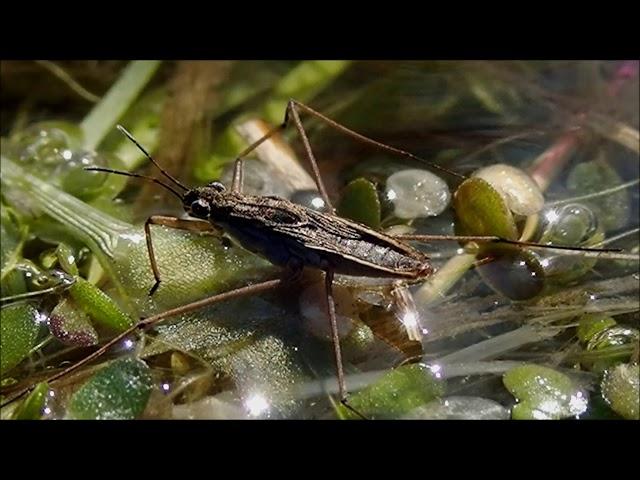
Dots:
pixel 172 222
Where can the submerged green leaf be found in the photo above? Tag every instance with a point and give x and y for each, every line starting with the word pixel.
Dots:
pixel 590 177
pixel 18 334
pixel 99 305
pixel 621 390
pixel 360 202
pixel 117 392
pixel 591 324
pixel 71 325
pixel 32 406
pixel 481 210
pixel 396 393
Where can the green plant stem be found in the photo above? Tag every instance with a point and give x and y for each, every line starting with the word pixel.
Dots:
pixel 103 117
pixel 100 232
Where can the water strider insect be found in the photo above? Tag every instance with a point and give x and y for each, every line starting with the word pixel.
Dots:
pixel 289 235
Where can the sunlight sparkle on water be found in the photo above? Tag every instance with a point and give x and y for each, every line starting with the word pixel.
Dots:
pixel 551 216
pixel 317 202
pixel 436 370
pixel 409 320
pixel 256 405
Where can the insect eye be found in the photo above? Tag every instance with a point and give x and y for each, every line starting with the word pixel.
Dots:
pixel 217 186
pixel 200 209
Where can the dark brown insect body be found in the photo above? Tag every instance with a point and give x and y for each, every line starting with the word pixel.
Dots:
pixel 287 234
pixel 294 236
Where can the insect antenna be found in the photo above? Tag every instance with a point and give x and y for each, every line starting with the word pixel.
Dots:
pixel 127 174
pixel 162 170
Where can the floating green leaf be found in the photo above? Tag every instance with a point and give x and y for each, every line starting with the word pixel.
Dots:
pixel 360 202
pixel 18 334
pixel 396 393
pixel 117 392
pixel 543 393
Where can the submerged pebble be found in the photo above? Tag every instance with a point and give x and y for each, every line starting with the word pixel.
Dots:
pixel 417 193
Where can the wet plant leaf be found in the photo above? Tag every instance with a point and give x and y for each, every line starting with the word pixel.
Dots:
pixel 519 191
pixel 18 334
pixel 11 233
pixel 621 391
pixel 591 324
pixel 32 406
pixel 67 258
pixel 543 393
pixel 460 408
pixel 360 203
pixel 590 177
pixel 69 324
pixel 396 393
pixel 99 305
pixel 481 210
pixel 119 391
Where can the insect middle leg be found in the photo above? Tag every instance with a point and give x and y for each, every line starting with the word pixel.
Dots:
pixel 331 310
pixel 173 222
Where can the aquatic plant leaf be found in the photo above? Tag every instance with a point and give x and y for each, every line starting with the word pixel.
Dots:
pixel 543 393
pixel 18 334
pixel 32 406
pixel 520 192
pixel 249 342
pixel 395 394
pixel 360 203
pixel 612 210
pixel 460 408
pixel 621 391
pixel 119 391
pixel 591 324
pixel 481 210
pixel 99 305
pixel 69 324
